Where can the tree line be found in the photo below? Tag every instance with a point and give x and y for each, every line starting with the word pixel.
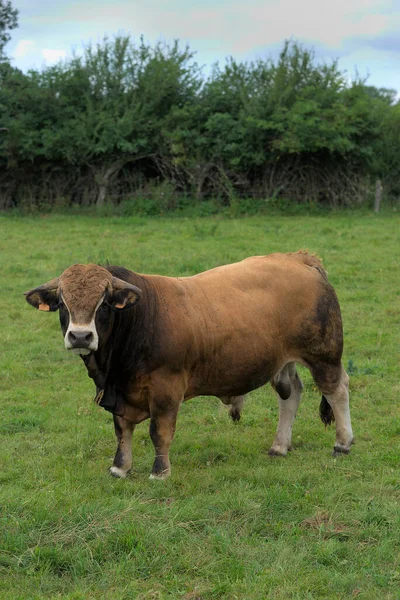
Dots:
pixel 128 120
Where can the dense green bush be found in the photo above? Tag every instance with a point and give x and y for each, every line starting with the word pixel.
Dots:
pixel 141 125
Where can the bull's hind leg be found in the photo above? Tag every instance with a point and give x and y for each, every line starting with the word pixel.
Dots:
pixel 123 456
pixel 288 385
pixel 334 385
pixel 236 405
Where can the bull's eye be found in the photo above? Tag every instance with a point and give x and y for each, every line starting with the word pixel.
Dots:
pixel 61 305
pixel 104 305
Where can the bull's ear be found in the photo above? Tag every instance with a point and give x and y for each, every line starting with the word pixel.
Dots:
pixel 45 296
pixel 124 294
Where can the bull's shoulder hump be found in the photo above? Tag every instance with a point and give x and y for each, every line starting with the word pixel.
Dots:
pixel 253 264
pixel 273 262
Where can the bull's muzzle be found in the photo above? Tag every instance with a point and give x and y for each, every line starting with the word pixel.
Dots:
pixel 80 339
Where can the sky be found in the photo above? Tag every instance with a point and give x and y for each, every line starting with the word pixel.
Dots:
pixel 364 35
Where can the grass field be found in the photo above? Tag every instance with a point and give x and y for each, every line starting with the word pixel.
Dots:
pixel 231 522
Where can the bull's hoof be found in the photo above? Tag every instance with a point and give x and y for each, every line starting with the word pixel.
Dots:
pixel 337 450
pixel 277 452
pixel 160 476
pixel 117 472
pixel 234 415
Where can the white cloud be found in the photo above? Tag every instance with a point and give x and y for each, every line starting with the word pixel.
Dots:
pixel 362 33
pixel 241 25
pixel 51 55
pixel 24 48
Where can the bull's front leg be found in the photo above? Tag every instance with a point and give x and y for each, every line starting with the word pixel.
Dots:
pixel 163 414
pixel 123 456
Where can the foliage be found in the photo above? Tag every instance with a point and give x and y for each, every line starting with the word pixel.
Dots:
pixel 96 113
pixel 8 21
pixel 126 117
pixel 386 155
pixel 231 522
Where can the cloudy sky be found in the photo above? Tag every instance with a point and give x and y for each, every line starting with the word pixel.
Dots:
pixel 363 34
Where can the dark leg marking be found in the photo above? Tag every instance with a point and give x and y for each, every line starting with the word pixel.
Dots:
pixel 162 429
pixel 123 457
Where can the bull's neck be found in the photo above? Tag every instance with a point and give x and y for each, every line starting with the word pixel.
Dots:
pixel 131 344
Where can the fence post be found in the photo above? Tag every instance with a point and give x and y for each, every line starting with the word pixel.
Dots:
pixel 378 196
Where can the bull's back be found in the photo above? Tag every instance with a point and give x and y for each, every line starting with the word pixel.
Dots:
pixel 268 293
pixel 237 323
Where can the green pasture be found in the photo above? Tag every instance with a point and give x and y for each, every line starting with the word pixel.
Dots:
pixel 231 522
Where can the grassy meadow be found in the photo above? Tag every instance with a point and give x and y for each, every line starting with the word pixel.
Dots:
pixel 231 522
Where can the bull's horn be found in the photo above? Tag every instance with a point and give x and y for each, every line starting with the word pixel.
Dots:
pixel 51 285
pixel 120 284
pixel 44 297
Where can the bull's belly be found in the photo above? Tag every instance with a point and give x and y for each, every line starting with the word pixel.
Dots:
pixel 230 381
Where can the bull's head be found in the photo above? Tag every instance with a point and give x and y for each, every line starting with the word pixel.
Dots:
pixel 85 295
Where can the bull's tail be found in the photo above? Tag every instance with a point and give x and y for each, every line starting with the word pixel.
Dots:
pixel 326 412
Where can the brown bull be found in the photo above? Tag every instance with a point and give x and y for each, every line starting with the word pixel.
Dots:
pixel 151 342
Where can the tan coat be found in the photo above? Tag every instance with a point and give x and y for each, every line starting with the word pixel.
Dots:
pixel 223 332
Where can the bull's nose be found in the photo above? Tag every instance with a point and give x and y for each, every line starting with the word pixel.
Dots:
pixel 80 339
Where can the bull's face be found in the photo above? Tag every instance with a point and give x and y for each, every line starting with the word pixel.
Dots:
pixel 86 296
